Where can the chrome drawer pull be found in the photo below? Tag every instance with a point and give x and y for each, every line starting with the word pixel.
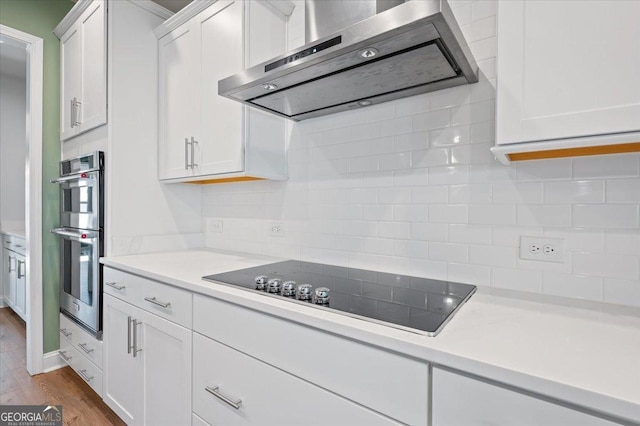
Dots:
pixel 83 374
pixel 116 286
pixel 83 346
pixel 157 302
pixel 217 394
pixel 66 358
pixel 65 332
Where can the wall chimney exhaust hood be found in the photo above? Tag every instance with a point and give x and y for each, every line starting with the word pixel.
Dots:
pixel 393 50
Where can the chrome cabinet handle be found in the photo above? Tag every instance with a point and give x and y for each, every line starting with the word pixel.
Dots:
pixel 65 332
pixel 116 286
pixel 83 346
pixel 20 264
pixel 214 391
pixel 83 374
pixel 129 345
pixel 157 302
pixel 193 158
pixel 136 323
pixel 72 113
pixel 76 113
pixel 66 358
pixel 10 259
pixel 186 153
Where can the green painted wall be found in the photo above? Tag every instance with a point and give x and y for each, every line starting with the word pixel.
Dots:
pixel 39 18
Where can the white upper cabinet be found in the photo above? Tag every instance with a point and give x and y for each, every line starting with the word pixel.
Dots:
pixel 83 71
pixel 568 73
pixel 204 136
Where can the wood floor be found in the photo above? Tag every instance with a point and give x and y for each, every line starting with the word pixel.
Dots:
pixel 80 404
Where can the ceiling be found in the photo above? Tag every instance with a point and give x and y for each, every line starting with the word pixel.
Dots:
pixel 173 5
pixel 13 58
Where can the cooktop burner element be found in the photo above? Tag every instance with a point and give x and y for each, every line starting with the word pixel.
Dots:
pixel 414 304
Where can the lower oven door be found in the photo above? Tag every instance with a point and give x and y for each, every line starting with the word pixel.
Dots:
pixel 81 276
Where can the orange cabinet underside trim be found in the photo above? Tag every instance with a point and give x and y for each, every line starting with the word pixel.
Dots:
pixel 576 152
pixel 226 180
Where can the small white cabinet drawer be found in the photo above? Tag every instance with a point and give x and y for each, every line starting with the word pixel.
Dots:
pixel 81 340
pixel 81 365
pixel 230 388
pixel 171 303
pixel 462 401
pixel 391 384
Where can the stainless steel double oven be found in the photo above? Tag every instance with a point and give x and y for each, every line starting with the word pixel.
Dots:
pixel 81 234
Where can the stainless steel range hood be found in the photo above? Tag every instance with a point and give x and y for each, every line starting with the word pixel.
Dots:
pixel 411 48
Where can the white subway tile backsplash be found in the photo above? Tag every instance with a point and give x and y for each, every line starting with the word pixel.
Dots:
pixel 517 193
pixel 623 242
pixel 449 252
pixel 605 166
pixel 488 214
pixel 469 274
pixel 572 192
pixel 617 216
pixel 492 256
pixel 430 194
pixel 448 175
pixel 470 234
pixel 516 279
pixel 623 191
pixel 396 230
pixel 575 286
pixel 411 186
pixel 470 194
pixel 622 292
pixel 607 265
pixel 429 231
pixel 544 215
pixel 431 120
pixel 449 213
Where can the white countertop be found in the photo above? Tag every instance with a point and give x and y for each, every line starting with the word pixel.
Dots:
pixel 20 233
pixel 588 354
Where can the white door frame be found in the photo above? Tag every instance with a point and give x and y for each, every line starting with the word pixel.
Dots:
pixel 33 195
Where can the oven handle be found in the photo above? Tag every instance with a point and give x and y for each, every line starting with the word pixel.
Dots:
pixel 75 235
pixel 76 176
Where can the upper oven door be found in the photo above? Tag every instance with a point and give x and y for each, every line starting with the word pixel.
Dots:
pixel 80 204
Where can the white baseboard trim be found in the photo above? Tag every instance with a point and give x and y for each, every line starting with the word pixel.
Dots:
pixel 52 361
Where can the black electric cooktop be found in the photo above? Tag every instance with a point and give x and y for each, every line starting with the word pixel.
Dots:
pixel 418 305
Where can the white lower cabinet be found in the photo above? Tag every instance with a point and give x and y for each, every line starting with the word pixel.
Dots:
pixel 82 352
pixel 460 401
pixel 231 388
pixel 14 270
pixel 147 366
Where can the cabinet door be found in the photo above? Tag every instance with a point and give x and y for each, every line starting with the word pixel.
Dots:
pixel 70 81
pixel 462 401
pixel 166 355
pixel 93 106
pixel 122 372
pixel 21 287
pixel 220 145
pixel 179 101
pixel 264 394
pixel 11 278
pixel 555 83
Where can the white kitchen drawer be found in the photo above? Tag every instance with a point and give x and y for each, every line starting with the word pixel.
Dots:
pixel 81 365
pixel 87 344
pixel 150 295
pixel 462 401
pixel 264 394
pixel 197 421
pixel 391 384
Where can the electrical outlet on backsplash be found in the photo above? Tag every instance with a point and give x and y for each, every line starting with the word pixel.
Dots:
pixel 410 186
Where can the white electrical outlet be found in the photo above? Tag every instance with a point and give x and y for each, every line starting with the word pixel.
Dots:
pixel 215 225
pixel 542 249
pixel 276 229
